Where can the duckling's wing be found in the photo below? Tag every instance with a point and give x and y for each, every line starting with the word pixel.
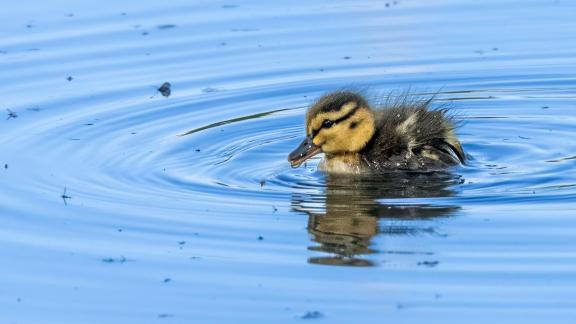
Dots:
pixel 450 151
pixel 435 129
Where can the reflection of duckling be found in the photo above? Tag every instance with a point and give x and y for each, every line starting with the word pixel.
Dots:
pixel 353 216
pixel 408 135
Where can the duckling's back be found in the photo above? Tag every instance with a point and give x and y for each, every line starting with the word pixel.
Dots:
pixel 412 136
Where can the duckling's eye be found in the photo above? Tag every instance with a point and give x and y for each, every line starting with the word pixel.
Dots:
pixel 327 123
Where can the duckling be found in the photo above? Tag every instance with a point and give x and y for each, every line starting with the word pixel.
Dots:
pixel 406 136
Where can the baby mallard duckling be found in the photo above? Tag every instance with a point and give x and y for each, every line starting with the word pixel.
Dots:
pixel 354 138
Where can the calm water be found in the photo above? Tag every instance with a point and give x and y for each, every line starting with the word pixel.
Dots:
pixel 120 205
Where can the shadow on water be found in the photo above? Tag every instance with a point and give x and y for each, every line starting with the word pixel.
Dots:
pixel 347 216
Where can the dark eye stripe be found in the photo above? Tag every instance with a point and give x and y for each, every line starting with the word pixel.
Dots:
pixel 348 115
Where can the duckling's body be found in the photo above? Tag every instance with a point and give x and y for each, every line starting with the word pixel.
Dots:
pixel 405 135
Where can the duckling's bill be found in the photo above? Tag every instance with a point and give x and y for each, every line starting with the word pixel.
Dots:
pixel 303 152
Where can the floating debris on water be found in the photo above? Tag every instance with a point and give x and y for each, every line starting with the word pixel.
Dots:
pixel 113 260
pixel 11 114
pixel 65 196
pixel 428 263
pixel 166 26
pixel 165 89
pixel 312 315
pixel 208 90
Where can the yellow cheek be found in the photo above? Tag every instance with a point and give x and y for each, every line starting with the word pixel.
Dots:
pixel 318 140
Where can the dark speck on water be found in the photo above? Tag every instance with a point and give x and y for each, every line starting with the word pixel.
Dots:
pixel 165 89
pixel 11 114
pixel 166 26
pixel 208 90
pixel 120 260
pixel 167 280
pixel 430 264
pixel 65 197
pixel 69 78
pixel 311 315
pixel 165 315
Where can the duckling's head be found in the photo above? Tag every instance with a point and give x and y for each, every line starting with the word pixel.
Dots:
pixel 339 123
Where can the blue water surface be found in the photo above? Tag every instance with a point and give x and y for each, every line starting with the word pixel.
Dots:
pixel 121 205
